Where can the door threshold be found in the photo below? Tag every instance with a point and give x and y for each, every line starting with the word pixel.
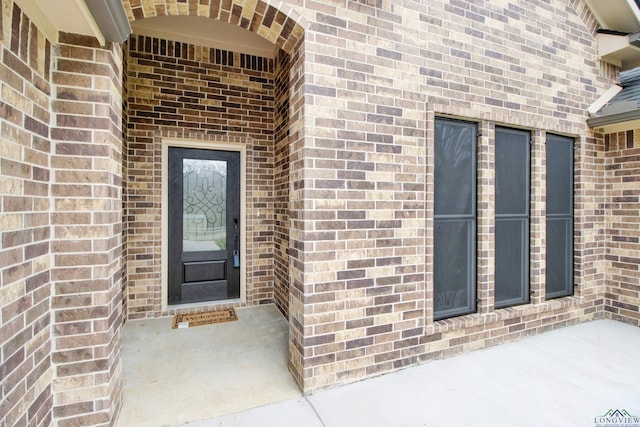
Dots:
pixel 211 304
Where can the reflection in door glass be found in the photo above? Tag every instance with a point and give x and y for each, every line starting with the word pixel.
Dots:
pixel 204 201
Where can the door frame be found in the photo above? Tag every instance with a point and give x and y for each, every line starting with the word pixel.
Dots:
pixel 203 145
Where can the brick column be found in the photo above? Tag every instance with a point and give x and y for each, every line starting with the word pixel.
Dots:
pixel 538 226
pixel 25 288
pixel 486 202
pixel 589 219
pixel 87 227
pixel 297 247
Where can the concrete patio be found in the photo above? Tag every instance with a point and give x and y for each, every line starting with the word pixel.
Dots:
pixel 565 377
pixel 173 376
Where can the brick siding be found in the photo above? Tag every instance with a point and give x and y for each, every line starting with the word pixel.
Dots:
pixel 373 76
pixel 25 182
pixel 622 291
pixel 189 92
pixel 281 182
pixel 296 289
pixel 125 182
pixel 375 79
pixel 87 231
pixel 339 130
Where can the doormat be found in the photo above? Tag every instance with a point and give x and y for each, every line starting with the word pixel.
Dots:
pixel 206 318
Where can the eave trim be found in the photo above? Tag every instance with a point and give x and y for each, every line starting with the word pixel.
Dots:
pixel 596 122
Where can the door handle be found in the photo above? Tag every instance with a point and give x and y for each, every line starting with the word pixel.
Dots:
pixel 236 252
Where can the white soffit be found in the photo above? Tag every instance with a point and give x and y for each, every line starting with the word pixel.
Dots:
pixel 54 16
pixel 620 127
pixel 618 15
pixel 207 32
pixel 619 50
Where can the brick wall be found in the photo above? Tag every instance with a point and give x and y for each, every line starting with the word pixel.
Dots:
pixel 296 286
pixel 622 292
pixel 367 81
pixel 375 77
pixel 86 207
pixel 25 181
pixel 281 182
pixel 282 25
pixel 61 215
pixel 189 92
pixel 125 182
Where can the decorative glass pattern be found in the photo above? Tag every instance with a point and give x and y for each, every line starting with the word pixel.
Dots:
pixel 204 205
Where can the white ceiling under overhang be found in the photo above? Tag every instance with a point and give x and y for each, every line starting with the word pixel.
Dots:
pixel 68 16
pixel 74 16
pixel 205 32
pixel 617 15
pixel 618 41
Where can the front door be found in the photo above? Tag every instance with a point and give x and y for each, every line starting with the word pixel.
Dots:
pixel 203 225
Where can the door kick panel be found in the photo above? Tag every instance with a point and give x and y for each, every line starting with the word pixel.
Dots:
pixel 204 271
pixel 203 291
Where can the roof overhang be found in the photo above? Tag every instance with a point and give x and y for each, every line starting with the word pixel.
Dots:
pixel 619 49
pixel 103 19
pixel 616 123
pixel 619 38
pixel 614 117
pixel 619 15
pixel 206 32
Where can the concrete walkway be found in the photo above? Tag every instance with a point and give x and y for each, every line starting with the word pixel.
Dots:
pixel 565 377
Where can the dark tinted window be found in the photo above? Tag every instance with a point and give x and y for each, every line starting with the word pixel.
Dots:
pixel 454 257
pixel 512 217
pixel 559 237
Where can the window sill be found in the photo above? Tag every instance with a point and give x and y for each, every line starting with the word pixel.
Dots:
pixel 503 314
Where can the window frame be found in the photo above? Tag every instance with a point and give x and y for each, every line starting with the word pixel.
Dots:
pixel 569 218
pixel 525 284
pixel 471 247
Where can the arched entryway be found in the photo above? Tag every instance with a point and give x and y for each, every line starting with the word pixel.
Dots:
pixel 278 24
pixel 185 88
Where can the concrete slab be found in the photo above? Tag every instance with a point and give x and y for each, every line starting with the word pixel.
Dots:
pixel 564 377
pixel 174 376
pixel 290 413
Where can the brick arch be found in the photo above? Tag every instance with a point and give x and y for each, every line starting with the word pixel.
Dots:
pixel 280 24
